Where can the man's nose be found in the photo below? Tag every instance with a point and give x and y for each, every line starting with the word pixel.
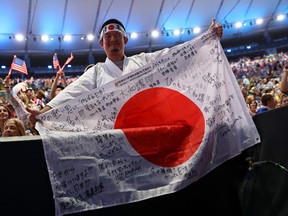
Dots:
pixel 113 37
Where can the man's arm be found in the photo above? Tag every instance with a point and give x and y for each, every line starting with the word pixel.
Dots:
pixel 34 113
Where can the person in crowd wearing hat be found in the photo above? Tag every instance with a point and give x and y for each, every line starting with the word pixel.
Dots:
pixel 30 93
pixel 113 40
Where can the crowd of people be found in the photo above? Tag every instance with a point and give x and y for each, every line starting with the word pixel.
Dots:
pixel 263 81
pixel 32 93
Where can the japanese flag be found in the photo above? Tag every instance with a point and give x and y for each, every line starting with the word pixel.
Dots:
pixel 149 133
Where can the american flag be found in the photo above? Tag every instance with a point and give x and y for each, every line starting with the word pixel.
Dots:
pixel 19 65
pixel 56 63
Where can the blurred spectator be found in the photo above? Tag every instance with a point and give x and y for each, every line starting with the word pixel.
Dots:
pixel 23 97
pixel 59 84
pixel 284 100
pixel 39 99
pixel 19 101
pixel 5 114
pixel 268 102
pixel 30 93
pixel 30 130
pixel 13 127
pixel 246 81
pixel 284 81
pixel 253 106
pixel 12 110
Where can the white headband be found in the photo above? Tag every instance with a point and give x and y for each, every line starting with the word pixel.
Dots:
pixel 112 27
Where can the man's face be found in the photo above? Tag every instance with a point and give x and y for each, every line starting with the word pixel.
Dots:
pixel 114 44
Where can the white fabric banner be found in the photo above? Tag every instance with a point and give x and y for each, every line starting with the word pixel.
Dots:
pixel 149 133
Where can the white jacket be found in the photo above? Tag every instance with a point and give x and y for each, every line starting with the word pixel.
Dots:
pixel 103 73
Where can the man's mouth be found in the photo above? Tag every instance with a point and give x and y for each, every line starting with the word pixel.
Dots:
pixel 115 50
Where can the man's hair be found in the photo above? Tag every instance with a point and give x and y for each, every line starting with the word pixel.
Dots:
pixel 111 21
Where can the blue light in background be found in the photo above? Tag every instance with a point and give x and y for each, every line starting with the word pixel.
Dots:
pixel 8 21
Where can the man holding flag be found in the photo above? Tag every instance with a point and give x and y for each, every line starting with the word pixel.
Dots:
pixel 138 127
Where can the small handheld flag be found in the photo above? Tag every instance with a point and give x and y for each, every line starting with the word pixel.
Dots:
pixel 56 63
pixel 18 65
pixel 68 61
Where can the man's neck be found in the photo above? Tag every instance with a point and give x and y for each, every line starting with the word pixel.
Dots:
pixel 119 64
pixel 116 57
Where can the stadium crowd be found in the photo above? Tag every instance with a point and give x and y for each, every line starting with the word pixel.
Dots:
pixel 259 80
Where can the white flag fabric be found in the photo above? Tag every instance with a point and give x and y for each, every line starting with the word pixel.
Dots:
pixel 148 133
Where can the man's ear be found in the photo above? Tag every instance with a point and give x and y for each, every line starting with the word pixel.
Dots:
pixel 101 42
pixel 125 40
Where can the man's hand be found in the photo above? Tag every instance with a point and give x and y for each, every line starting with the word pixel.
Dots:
pixel 32 116
pixel 34 113
pixel 218 28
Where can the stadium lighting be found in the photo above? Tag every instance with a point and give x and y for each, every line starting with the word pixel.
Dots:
pixel 44 37
pixel 176 32
pixel 19 37
pixel 259 21
pixel 155 33
pixel 238 24
pixel 133 35
pixel 90 37
pixel 67 38
pixel 280 17
pixel 196 30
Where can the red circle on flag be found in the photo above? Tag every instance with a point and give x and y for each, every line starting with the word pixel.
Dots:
pixel 163 126
pixel 111 27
